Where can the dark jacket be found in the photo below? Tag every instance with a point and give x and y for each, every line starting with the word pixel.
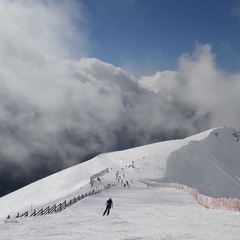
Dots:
pixel 109 203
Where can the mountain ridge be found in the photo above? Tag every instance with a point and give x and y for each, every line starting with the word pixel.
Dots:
pixel 154 161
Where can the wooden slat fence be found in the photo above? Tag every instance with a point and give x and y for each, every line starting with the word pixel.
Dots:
pixel 99 174
pixel 60 207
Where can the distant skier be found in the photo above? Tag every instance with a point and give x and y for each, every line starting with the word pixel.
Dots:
pixel 7 219
pixel 109 204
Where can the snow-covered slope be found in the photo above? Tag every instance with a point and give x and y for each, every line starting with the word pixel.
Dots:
pixel 138 213
pixel 211 165
pixel 211 157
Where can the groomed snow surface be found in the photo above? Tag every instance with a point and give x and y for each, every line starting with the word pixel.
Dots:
pixel 139 212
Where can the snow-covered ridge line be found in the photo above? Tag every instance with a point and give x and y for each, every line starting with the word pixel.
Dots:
pixel 231 204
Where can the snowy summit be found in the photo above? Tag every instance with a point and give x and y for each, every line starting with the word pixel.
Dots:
pixel 208 162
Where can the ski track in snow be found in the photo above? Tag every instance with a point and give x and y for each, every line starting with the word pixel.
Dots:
pixel 223 172
pixel 139 213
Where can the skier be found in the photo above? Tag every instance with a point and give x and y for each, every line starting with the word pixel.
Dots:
pixel 109 204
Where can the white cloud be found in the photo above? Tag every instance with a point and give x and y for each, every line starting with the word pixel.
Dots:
pixel 63 110
pixel 200 85
pixel 209 89
pixel 49 25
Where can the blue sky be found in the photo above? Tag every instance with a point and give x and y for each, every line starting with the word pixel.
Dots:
pixel 150 35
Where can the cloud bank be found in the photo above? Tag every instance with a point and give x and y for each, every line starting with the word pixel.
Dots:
pixel 56 111
pixel 200 85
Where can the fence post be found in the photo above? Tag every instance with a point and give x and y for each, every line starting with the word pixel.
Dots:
pixel 34 213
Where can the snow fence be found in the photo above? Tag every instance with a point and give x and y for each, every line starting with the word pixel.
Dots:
pixel 67 203
pixel 99 174
pixel 232 204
